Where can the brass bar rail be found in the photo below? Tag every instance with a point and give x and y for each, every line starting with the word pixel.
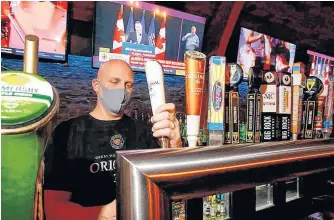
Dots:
pixel 150 179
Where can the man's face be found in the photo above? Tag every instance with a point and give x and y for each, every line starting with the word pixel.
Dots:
pixel 193 30
pixel 138 28
pixel 118 77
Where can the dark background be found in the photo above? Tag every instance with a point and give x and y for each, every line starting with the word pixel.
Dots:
pixel 106 17
pixel 309 25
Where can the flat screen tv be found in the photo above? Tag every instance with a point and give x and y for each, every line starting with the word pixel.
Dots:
pixel 138 31
pixel 257 49
pixel 45 19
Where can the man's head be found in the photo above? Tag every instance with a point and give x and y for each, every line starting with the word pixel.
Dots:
pixel 193 30
pixel 138 27
pixel 113 86
pixel 282 57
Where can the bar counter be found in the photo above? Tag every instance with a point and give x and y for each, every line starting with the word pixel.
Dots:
pixel 151 179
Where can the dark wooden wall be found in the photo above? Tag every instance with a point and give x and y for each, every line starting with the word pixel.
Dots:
pixel 308 24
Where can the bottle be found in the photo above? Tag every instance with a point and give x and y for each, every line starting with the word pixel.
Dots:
pixel 180 119
pixel 243 132
pixel 205 204
pixel 176 210
pixel 205 140
pixel 223 213
pixel 182 214
pixel 213 210
pixel 208 208
pixel 218 206
pixel 180 124
pixel 200 138
pixel 183 134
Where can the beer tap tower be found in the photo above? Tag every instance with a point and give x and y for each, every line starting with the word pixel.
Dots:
pixel 298 85
pixel 313 89
pixel 235 75
pixel 284 106
pixel 216 102
pixel 269 107
pixel 253 114
pixel 28 105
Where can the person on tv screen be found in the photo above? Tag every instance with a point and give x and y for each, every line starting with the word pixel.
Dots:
pixel 261 44
pixel 246 59
pixel 45 19
pixel 192 40
pixel 139 36
pixel 80 156
pixel 282 57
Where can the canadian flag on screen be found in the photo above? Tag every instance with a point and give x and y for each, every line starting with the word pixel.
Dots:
pixel 160 46
pixel 119 36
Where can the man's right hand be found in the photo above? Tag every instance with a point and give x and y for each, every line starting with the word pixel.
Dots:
pixel 108 212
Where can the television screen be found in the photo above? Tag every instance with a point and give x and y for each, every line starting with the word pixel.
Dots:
pixel 45 19
pixel 257 49
pixel 138 31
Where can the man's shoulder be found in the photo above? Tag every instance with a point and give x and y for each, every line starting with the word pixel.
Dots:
pixel 67 124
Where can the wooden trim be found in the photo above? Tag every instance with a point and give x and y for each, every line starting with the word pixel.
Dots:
pixel 232 20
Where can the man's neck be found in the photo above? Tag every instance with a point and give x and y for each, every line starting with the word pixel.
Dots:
pixel 101 114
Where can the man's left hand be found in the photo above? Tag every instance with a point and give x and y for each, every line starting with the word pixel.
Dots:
pixel 165 124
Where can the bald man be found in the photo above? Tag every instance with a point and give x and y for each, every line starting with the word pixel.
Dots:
pixel 192 40
pixel 80 157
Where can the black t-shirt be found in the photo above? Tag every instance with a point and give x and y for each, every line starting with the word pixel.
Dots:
pixel 80 156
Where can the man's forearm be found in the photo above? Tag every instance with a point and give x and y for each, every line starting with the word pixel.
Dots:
pixel 252 39
pixel 108 212
pixel 185 37
pixel 106 218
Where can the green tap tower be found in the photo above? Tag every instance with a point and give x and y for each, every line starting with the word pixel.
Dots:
pixel 28 105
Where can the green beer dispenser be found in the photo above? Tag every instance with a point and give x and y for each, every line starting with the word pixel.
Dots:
pixel 28 105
